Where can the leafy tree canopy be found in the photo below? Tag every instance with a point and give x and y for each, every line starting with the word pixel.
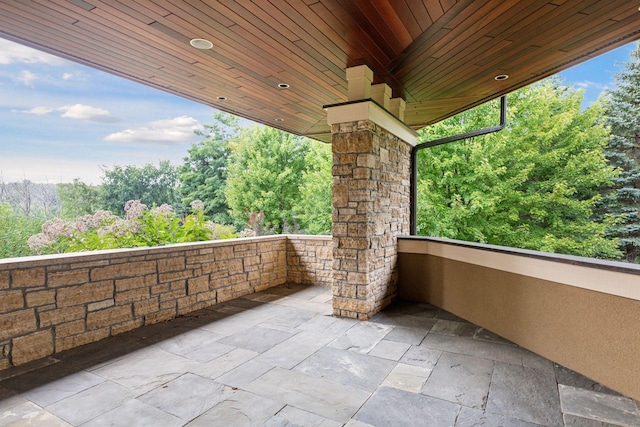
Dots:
pixel 78 198
pixel 203 174
pixel 265 170
pixel 314 209
pixel 152 185
pixel 622 199
pixel 533 185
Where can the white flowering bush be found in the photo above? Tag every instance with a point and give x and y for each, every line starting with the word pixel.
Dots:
pixel 140 227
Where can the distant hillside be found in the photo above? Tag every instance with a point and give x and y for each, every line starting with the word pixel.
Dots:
pixel 30 198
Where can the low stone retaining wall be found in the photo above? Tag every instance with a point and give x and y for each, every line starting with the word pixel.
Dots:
pixel 310 260
pixel 52 303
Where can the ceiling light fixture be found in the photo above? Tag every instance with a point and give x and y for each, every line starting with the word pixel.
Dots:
pixel 221 98
pixel 201 44
pixel 283 86
pixel 501 77
pixel 279 120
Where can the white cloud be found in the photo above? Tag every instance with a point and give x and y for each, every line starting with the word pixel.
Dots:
pixel 11 52
pixel 26 77
pixel 87 113
pixel 76 75
pixel 38 111
pixel 588 84
pixel 178 130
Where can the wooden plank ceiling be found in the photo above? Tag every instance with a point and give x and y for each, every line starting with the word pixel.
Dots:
pixel 441 56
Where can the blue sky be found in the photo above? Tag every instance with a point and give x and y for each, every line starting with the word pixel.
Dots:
pixel 60 120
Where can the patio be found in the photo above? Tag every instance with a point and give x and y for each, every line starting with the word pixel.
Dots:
pixel 279 358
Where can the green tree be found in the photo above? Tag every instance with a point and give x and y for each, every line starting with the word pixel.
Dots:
pixel 314 209
pixel 622 199
pixel 533 185
pixel 265 172
pixel 152 185
pixel 203 174
pixel 78 198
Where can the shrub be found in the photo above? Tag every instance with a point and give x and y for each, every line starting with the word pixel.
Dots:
pixel 140 227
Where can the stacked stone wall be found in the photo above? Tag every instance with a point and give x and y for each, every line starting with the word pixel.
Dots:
pixel 310 260
pixel 50 304
pixel 371 197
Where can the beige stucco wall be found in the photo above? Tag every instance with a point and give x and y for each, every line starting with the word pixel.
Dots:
pixel 594 332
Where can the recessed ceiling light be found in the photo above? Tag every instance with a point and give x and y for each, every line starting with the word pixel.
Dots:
pixel 501 77
pixel 221 98
pixel 283 86
pixel 279 120
pixel 201 44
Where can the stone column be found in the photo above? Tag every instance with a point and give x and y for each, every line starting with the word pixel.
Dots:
pixel 371 196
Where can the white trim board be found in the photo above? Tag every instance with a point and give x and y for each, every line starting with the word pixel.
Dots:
pixel 369 110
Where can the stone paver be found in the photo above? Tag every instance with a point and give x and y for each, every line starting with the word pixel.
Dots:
pixel 347 367
pixel 189 342
pixel 256 339
pixel 573 421
pixel 391 350
pixel 393 407
pixel 278 358
pixel 602 407
pixel 187 396
pixel 59 389
pixel 407 335
pixel 460 379
pixel 146 369
pixel 469 417
pixel 407 377
pixel 362 337
pixel 90 403
pixel 450 327
pixel 421 356
pixel 290 416
pixel 317 395
pixel 240 409
pixel 143 414
pixel 524 393
pixel 244 374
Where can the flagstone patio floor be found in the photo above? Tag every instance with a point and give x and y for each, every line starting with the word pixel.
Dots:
pixel 278 358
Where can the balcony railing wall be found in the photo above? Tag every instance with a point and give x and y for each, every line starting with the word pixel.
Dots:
pixel 52 303
pixel 579 312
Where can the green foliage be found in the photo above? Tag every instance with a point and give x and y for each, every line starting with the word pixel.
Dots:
pixel 140 227
pixel 314 209
pixel 622 199
pixel 150 184
pixel 533 185
pixel 203 174
pixel 222 231
pixel 15 229
pixel 265 171
pixel 78 198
